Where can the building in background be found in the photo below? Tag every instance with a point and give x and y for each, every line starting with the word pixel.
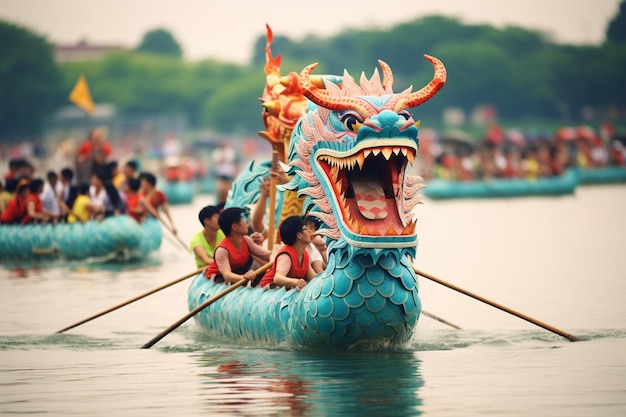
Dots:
pixel 83 51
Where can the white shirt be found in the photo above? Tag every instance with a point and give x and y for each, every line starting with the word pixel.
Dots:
pixel 49 199
pixel 314 254
pixel 224 162
pixel 97 199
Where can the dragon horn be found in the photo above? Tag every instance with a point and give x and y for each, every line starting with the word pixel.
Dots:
pixel 317 80
pixel 387 75
pixel 272 64
pixel 427 92
pixel 322 97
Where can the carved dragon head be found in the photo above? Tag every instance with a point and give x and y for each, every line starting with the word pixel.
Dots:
pixel 350 156
pixel 282 101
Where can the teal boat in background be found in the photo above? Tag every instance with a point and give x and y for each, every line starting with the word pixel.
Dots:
pixel 206 184
pixel 177 192
pixel 116 236
pixel 605 175
pixel 564 184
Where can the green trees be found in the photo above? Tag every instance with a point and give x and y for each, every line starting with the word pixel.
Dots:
pixel 519 72
pixel 616 32
pixel 152 84
pixel 160 42
pixel 30 87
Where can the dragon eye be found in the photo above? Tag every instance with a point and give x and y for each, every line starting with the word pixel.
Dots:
pixel 271 107
pixel 349 120
pixel 405 114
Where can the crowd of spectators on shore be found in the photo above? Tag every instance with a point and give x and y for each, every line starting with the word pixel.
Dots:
pixel 511 154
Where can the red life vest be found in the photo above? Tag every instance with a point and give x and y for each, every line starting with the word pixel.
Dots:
pixel 38 206
pixel 296 271
pixel 240 260
pixel 132 200
pixel 14 211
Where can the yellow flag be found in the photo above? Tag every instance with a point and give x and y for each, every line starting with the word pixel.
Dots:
pixel 81 96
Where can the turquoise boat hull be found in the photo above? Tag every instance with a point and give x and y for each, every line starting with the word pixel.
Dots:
pixel 502 188
pixel 363 302
pixel 606 175
pixel 206 185
pixel 178 192
pixel 79 241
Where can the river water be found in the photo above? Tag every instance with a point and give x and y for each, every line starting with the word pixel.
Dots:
pixel 560 260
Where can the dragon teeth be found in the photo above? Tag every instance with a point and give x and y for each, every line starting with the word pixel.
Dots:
pixel 360 159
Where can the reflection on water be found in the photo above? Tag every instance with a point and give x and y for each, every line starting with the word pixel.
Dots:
pixel 24 268
pixel 310 383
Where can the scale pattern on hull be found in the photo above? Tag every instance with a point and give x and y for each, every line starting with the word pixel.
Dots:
pixel 79 241
pixel 356 302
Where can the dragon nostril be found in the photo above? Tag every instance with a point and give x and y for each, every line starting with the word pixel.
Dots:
pixel 388 118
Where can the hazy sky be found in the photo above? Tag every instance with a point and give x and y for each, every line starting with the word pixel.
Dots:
pixel 227 29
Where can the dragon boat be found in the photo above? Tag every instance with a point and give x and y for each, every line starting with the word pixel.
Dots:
pixel 604 175
pixel 347 158
pixel 112 237
pixel 564 184
pixel 178 192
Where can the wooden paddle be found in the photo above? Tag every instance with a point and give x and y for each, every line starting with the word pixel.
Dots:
pixel 173 234
pixel 44 251
pixel 270 230
pixel 439 319
pixel 132 300
pixel 553 329
pixel 203 306
pixel 171 241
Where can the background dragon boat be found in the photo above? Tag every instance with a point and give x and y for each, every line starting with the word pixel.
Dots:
pixel 604 175
pixel 177 192
pixel 78 241
pixel 438 189
pixel 348 158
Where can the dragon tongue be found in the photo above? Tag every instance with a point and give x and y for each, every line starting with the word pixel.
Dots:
pixel 370 199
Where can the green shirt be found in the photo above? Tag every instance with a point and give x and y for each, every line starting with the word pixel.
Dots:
pixel 199 240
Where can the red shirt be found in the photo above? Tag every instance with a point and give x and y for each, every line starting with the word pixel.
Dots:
pixel 158 199
pixel 238 258
pixel 38 206
pixel 132 199
pixel 296 271
pixel 11 175
pixel 86 148
pixel 14 211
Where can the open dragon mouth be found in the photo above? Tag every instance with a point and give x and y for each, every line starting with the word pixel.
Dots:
pixel 368 186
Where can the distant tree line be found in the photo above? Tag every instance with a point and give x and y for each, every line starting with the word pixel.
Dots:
pixel 520 72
